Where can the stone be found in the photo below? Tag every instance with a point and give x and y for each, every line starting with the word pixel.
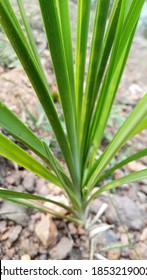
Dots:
pixel 110 236
pixel 42 187
pixel 95 205
pixel 28 247
pixel 133 191
pixel 14 212
pixel 141 249
pixel 11 253
pixel 10 180
pixel 81 231
pixel 125 252
pixel 142 197
pixel 14 178
pixel 60 198
pixel 25 257
pixel 135 166
pixel 43 257
pixel 143 189
pixel 62 249
pixel 46 231
pixel 124 238
pixel 131 215
pixel 5 236
pixel 29 182
pixel 114 254
pixel 143 236
pixel 3 226
pixel 54 189
pixel 14 233
pixel 72 228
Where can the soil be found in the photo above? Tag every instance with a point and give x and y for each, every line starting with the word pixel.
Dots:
pixel 125 209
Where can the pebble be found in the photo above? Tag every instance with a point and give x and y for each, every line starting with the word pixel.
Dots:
pixel 29 182
pixel 54 189
pixel 43 257
pixel 42 187
pixel 3 227
pixel 131 215
pixel 143 189
pixel 110 236
pixel 142 197
pixel 25 257
pixel 135 166
pixel 5 236
pixel 141 249
pixel 81 231
pixel 114 254
pixel 95 205
pixel 62 249
pixel 46 231
pixel 14 233
pixel 28 247
pixel 14 178
pixel 143 236
pixel 72 228
pixel 60 198
pixel 11 253
pixel 14 212
pixel 125 252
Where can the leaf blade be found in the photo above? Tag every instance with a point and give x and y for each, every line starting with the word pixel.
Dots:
pixel 13 152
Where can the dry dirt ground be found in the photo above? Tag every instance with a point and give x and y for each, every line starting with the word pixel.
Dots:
pixel 28 234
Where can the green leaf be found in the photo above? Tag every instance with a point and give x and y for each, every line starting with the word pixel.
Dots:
pixel 14 32
pixel 30 37
pixel 61 175
pixel 52 24
pixel 10 122
pixel 20 131
pixel 122 163
pixel 22 195
pixel 107 46
pixel 122 43
pixel 140 127
pixel 133 177
pixel 95 59
pixel 67 42
pixel 13 152
pixel 23 199
pixel 118 141
pixel 81 49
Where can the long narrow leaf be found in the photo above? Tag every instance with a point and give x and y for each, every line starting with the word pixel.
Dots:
pixel 115 70
pixel 81 48
pixel 95 59
pixel 107 46
pixel 67 42
pixel 140 127
pixel 122 163
pixel 69 188
pixel 13 194
pixel 38 206
pixel 13 31
pixel 13 152
pixel 10 122
pixel 118 141
pixel 106 99
pixel 30 37
pixel 52 25
pixel 133 177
